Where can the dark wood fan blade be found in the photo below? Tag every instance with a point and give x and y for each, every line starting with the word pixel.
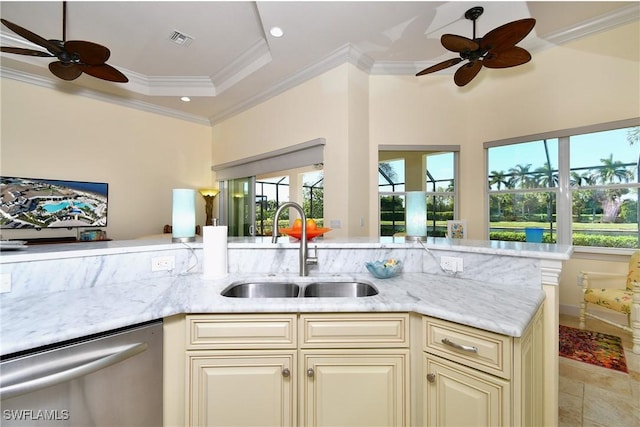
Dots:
pixel 29 52
pixel 65 71
pixel 506 58
pixel 89 53
pixel 441 66
pixel 458 44
pixel 32 37
pixel 467 72
pixel 507 35
pixel 105 72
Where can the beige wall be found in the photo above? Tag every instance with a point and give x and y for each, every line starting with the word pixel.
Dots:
pixel 333 106
pixel 143 156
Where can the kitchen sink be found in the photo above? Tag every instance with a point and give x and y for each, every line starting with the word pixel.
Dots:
pixel 351 289
pixel 261 290
pixel 340 289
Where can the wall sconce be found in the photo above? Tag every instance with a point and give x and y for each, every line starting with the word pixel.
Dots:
pixel 209 194
pixel 416 215
pixel 184 215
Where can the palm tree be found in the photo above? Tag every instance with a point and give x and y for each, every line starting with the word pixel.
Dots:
pixel 613 169
pixel 585 178
pixel 633 136
pixel 498 178
pixel 545 176
pixel 611 202
pixel 521 174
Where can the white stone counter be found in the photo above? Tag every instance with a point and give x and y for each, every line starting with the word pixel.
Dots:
pixel 46 319
pixel 61 292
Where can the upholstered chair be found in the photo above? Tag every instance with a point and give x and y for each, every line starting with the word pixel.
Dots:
pixel 614 292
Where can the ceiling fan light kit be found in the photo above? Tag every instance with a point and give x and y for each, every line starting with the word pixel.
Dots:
pixel 74 57
pixel 497 49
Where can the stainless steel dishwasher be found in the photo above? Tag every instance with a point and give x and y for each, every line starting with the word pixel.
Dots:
pixel 112 380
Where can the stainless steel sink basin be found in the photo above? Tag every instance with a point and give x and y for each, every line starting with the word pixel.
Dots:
pixel 261 290
pixel 340 289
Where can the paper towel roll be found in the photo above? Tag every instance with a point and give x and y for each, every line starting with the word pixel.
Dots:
pixel 214 239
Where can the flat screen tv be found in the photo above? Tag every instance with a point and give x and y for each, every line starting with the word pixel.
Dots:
pixel 29 203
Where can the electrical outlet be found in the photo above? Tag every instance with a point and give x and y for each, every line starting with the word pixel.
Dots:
pixel 5 283
pixel 452 264
pixel 163 263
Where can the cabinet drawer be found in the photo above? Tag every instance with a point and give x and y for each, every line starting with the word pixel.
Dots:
pixel 241 331
pixel 483 350
pixel 354 330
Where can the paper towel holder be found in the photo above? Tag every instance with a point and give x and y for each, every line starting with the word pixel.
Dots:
pixel 183 216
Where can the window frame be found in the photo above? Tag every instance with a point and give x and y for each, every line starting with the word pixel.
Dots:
pixel 427 150
pixel 563 191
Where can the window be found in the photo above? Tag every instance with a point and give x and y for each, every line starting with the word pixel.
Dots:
pixel 580 187
pixel 273 191
pixel 404 170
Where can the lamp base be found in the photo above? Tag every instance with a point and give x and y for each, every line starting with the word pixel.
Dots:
pixel 416 238
pixel 183 239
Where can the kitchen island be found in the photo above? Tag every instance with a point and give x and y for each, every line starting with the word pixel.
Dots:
pixel 61 292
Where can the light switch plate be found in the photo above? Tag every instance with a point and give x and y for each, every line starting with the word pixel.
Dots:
pixel 5 283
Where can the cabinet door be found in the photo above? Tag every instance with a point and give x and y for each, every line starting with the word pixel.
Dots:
pixel 455 395
pixel 242 389
pixel 354 388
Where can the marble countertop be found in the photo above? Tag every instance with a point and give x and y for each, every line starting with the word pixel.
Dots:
pixel 38 320
pixel 160 242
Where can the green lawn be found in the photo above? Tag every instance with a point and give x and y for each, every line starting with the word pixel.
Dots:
pixel 577 226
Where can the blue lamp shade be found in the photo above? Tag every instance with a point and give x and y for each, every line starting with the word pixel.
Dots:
pixel 184 215
pixel 416 215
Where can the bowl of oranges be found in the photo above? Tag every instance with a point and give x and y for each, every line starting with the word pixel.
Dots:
pixel 312 229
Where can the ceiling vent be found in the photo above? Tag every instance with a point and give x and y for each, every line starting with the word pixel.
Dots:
pixel 180 38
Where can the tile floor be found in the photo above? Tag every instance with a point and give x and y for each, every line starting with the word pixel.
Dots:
pixel 595 396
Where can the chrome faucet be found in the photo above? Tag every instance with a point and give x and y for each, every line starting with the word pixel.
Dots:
pixel 305 259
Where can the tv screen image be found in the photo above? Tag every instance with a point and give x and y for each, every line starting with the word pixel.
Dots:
pixel 47 203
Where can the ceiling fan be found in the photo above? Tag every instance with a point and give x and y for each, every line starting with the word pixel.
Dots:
pixel 497 49
pixel 74 56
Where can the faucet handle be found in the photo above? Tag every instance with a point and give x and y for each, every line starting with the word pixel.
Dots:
pixel 313 259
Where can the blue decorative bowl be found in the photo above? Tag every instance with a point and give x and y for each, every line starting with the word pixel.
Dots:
pixel 385 268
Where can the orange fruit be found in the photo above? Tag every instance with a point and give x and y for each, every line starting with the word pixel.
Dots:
pixel 311 225
pixel 297 224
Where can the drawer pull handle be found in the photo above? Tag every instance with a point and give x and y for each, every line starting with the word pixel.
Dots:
pixel 286 372
pixel 310 373
pixel 468 348
pixel 431 377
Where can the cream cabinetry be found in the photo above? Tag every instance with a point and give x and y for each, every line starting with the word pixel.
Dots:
pixel 342 369
pixel 239 370
pixel 354 369
pixel 349 369
pixel 478 378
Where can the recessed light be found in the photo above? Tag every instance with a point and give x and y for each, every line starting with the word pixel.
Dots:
pixel 185 99
pixel 276 32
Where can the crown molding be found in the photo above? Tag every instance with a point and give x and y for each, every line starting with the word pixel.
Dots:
pixel 259 55
pixel 256 57
pixel 345 53
pixel 50 83
pixel 592 26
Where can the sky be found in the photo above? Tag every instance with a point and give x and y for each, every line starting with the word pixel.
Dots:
pixel 585 151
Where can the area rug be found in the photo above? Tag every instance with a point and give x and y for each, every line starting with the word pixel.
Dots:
pixel 592 347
